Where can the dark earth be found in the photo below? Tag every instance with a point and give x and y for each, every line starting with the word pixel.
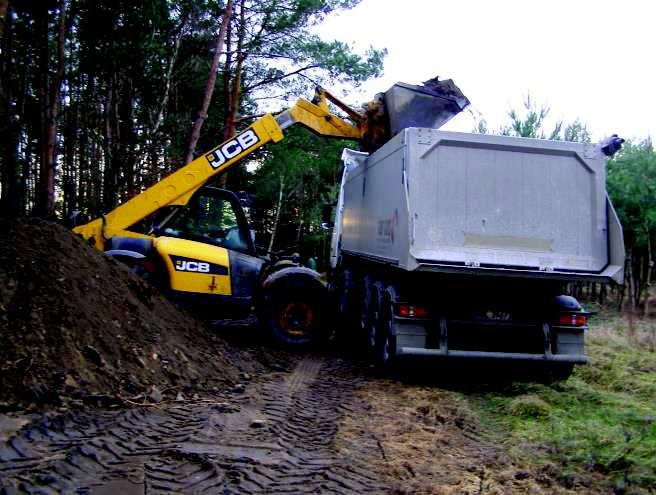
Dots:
pixel 106 387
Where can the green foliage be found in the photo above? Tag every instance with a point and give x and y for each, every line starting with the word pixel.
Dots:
pixel 529 406
pixel 284 59
pixel 576 132
pixel 631 183
pixel 135 73
pixel 602 420
pixel 304 168
pixel 530 123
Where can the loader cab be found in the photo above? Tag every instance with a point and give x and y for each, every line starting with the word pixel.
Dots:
pixel 212 216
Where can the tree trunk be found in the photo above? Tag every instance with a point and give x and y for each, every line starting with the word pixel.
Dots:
pixel 277 218
pixel 169 77
pixel 299 231
pixel 233 94
pixel 209 87
pixel 50 104
pixel 127 139
pixel 70 150
pixel 622 290
pixel 650 264
pixel 150 139
pixel 10 203
pixel 4 14
pixel 630 284
pixel 110 179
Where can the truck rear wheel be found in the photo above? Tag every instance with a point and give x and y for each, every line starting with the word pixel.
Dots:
pixel 364 312
pixel 386 344
pixel 372 328
pixel 347 318
pixel 560 372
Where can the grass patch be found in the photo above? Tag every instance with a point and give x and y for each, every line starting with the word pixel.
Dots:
pixel 600 425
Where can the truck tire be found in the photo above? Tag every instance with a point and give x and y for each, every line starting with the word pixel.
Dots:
pixel 372 330
pixel 364 311
pixel 346 308
pixel 560 372
pixel 386 346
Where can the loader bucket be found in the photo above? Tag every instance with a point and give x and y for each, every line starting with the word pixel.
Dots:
pixel 431 105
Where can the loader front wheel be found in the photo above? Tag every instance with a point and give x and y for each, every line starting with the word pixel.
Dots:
pixel 294 317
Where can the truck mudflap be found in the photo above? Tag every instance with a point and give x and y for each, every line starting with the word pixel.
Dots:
pixel 550 343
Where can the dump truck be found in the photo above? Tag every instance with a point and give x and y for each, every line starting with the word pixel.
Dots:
pixel 458 245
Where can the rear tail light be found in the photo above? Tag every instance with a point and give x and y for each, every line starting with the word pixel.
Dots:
pixel 412 311
pixel 573 320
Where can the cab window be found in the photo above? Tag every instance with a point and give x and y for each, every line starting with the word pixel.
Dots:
pixel 208 218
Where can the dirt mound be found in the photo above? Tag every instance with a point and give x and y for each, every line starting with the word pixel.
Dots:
pixel 75 323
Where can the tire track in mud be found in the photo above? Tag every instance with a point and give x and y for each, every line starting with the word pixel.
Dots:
pixel 280 439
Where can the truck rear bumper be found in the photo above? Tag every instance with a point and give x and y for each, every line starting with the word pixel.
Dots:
pixel 514 356
pixel 490 340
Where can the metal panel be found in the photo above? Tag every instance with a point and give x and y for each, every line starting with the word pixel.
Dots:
pixel 375 211
pixel 495 201
pixel 430 105
pixel 450 201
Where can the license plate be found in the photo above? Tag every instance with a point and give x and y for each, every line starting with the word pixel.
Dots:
pixel 498 315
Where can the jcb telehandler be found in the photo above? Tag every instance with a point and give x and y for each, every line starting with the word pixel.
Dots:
pixel 195 242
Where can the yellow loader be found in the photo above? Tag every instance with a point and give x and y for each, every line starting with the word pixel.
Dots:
pixel 194 241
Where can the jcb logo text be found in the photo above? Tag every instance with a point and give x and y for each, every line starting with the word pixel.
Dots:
pixel 192 266
pixel 232 148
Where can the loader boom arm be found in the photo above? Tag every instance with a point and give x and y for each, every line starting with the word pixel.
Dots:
pixel 177 188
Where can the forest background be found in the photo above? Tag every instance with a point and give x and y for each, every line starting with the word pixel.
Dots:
pixel 100 100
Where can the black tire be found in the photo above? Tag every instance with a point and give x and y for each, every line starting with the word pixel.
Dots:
pixel 386 357
pixel 295 316
pixel 373 321
pixel 560 372
pixel 136 267
pixel 553 372
pixel 363 312
pixel 346 316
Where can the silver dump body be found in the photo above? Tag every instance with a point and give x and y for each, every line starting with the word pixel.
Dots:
pixel 440 201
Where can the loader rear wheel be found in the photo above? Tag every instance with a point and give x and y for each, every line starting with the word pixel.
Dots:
pixel 136 266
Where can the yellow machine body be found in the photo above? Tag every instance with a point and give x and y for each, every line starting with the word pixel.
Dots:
pixel 195 266
pixel 196 269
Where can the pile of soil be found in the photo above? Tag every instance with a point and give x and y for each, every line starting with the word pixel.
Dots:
pixel 77 324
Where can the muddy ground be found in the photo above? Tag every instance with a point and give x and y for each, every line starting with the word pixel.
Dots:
pixel 321 423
